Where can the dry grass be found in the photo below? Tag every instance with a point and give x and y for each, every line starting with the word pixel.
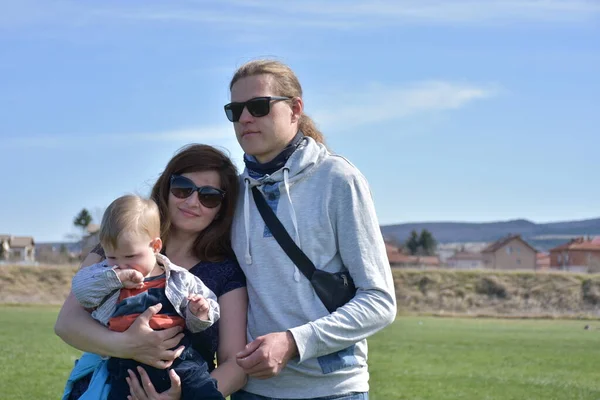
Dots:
pixel 490 293
pixel 510 294
pixel 42 284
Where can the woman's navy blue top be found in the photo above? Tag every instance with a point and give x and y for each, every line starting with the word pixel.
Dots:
pixel 220 277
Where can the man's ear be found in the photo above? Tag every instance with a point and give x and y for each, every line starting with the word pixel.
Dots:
pixel 297 108
pixel 156 245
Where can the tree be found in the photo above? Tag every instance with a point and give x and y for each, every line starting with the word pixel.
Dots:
pixel 412 244
pixel 427 243
pixel 422 244
pixel 82 220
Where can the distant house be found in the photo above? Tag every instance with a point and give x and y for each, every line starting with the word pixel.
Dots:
pixel 510 252
pixel 4 247
pixel 447 250
pixel 20 249
pixel 577 255
pixel 399 259
pixel 542 261
pixel 466 260
pixel 395 256
pixel 424 261
pixel 89 241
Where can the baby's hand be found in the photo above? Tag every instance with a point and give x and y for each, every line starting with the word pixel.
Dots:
pixel 198 306
pixel 130 278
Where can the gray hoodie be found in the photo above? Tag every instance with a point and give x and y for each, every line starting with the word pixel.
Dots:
pixel 325 204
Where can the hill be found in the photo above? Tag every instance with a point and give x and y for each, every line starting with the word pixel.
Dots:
pixel 542 236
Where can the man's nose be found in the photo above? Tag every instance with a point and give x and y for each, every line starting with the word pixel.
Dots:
pixel 245 116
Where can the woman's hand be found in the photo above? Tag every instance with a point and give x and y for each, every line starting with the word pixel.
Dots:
pixel 146 390
pixel 151 347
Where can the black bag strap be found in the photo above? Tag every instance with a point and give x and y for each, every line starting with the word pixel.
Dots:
pixel 282 236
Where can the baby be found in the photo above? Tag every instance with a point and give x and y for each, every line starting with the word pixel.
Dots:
pixel 135 276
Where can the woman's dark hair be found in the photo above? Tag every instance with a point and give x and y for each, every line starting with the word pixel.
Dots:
pixel 214 242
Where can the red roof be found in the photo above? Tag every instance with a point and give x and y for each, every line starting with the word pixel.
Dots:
pixel 397 257
pixel 400 258
pixel 580 243
pixel 390 248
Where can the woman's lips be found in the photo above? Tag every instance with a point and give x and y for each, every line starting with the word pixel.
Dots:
pixel 188 213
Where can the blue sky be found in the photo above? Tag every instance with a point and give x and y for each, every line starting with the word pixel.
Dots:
pixel 454 110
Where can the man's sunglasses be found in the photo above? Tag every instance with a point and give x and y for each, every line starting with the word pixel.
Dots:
pixel 182 188
pixel 257 107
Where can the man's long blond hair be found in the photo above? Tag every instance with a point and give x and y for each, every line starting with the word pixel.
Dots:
pixel 285 84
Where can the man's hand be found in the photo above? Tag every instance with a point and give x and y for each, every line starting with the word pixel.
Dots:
pixel 267 355
pixel 130 278
pixel 198 306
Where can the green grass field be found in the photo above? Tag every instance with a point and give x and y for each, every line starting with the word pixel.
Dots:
pixel 416 358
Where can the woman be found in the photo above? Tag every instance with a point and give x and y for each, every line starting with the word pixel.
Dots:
pixel 297 348
pixel 196 233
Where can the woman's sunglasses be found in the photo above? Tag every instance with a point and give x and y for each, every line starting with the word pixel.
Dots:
pixel 257 107
pixel 182 188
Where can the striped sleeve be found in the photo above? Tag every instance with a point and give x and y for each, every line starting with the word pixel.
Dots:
pixel 91 285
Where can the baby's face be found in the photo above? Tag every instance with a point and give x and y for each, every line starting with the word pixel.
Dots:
pixel 133 251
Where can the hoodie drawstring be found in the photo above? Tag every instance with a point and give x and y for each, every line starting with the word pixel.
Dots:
pixel 247 256
pixel 293 214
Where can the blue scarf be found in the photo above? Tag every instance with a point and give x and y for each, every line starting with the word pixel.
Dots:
pixel 258 169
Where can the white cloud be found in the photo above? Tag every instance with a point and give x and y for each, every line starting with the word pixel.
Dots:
pixel 433 11
pixel 190 135
pixel 43 142
pixel 34 12
pixel 376 103
pixel 198 134
pixel 238 15
pixel 380 103
pixel 352 14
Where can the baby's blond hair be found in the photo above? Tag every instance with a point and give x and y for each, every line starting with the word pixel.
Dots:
pixel 129 214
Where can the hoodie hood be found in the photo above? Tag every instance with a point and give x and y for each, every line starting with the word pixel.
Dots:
pixel 308 155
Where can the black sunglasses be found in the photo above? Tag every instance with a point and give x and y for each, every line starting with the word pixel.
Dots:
pixel 257 107
pixel 182 188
